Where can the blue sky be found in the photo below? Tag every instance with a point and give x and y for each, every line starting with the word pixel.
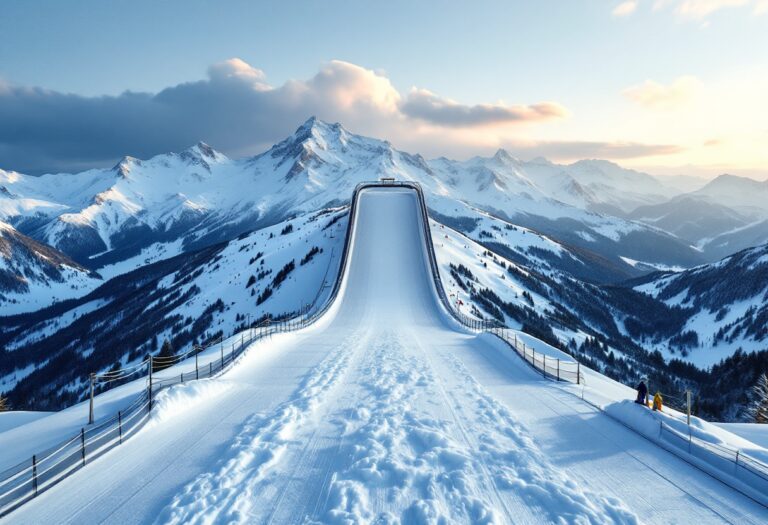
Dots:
pixel 625 74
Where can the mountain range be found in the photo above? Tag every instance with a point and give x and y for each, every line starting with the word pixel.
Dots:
pixel 200 197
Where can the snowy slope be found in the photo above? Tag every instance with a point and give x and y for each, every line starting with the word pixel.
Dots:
pixel 33 275
pixel 711 224
pixel 616 187
pixel 740 193
pixel 726 305
pixel 386 412
pixel 726 215
pixel 186 299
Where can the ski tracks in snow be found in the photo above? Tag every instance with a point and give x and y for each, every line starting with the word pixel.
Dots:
pixel 228 495
pixel 518 465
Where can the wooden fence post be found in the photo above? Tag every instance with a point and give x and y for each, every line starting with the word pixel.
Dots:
pixel 34 473
pixel 151 366
pixel 90 409
pixel 82 443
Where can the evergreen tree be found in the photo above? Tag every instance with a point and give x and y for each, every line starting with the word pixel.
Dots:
pixel 4 404
pixel 167 349
pixel 166 352
pixel 758 407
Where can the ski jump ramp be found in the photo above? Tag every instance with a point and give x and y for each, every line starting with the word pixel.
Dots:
pixel 385 410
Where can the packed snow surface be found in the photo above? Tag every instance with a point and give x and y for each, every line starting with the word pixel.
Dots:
pixel 386 411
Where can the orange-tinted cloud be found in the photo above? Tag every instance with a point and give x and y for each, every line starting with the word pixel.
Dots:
pixel 654 95
pixel 424 105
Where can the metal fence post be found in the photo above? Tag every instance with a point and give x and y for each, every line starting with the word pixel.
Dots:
pixel 688 406
pixel 222 354
pixel 120 424
pixel 34 473
pixel 558 369
pixel 544 368
pixel 82 443
pixel 578 373
pixel 197 372
pixel 90 408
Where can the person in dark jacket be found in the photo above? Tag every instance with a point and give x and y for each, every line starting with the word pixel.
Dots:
pixel 642 394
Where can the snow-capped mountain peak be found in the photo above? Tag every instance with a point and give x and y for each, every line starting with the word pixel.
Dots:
pixel 123 168
pixel 314 136
pixel 503 156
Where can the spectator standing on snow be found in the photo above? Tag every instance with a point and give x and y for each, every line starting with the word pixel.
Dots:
pixel 642 394
pixel 657 401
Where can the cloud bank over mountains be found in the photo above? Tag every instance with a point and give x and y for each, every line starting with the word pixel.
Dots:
pixel 236 109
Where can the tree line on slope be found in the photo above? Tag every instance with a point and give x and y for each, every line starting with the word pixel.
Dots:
pixel 721 392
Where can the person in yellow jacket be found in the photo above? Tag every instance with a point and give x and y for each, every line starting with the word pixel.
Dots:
pixel 657 401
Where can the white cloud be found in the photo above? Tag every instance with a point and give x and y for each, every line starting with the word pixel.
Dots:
pixel 761 7
pixel 625 8
pixel 693 9
pixel 702 8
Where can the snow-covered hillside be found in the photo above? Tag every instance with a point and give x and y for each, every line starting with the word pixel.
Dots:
pixel 34 275
pixel 726 305
pixel 186 299
pixel 726 215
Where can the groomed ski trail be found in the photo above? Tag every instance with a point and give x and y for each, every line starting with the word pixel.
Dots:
pixel 386 411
